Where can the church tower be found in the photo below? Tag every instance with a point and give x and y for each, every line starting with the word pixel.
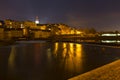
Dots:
pixel 37 20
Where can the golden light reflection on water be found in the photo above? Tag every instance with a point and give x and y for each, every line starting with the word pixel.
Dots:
pixel 11 59
pixel 56 48
pixel 64 50
pixel 71 55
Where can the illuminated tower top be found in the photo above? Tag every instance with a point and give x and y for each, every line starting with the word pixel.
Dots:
pixel 37 20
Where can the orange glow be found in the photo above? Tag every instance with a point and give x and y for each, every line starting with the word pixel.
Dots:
pixel 43 27
pixel 71 48
pixel 72 32
pixel 78 32
pixel 56 49
pixel 64 49
pixel 0 24
pixel 71 55
pixel 75 59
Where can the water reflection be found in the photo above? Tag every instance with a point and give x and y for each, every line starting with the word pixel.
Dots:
pixel 11 62
pixel 37 54
pixel 4 55
pixel 11 59
pixel 110 41
pixel 70 56
pixel 52 61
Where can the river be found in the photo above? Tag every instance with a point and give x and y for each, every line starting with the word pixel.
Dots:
pixel 40 60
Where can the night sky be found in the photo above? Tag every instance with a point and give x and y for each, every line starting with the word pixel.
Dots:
pixel 98 14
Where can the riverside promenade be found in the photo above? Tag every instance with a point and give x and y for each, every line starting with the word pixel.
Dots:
pixel 110 71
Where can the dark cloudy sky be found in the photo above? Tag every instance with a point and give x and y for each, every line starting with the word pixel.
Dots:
pixel 99 14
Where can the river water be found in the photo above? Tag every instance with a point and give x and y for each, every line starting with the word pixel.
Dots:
pixel 40 60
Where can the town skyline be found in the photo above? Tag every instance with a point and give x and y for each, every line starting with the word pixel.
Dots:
pixel 99 14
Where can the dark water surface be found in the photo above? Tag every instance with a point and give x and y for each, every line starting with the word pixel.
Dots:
pixel 37 60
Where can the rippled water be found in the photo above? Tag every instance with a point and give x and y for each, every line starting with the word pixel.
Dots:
pixel 39 60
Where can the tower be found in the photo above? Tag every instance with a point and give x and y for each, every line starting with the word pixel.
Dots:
pixel 37 20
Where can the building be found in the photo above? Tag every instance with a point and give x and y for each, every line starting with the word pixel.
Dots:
pixel 56 29
pixel 2 23
pixel 29 24
pixel 12 23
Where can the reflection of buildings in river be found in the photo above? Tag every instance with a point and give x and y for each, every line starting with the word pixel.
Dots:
pixel 71 58
pixel 11 59
pixel 16 61
pixel 37 54
pixel 55 48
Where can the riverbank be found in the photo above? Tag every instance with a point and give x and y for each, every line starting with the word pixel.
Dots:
pixel 93 43
pixel 107 72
